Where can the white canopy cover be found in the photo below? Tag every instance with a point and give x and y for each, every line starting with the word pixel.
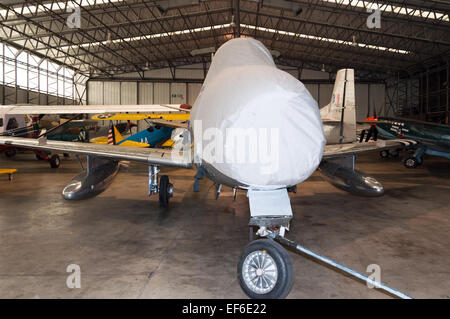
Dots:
pixel 269 123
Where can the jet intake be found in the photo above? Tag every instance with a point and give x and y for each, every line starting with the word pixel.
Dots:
pixel 345 177
pixel 92 181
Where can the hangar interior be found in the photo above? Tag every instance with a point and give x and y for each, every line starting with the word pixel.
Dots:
pixel 159 52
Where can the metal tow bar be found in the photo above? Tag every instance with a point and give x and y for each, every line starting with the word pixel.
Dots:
pixel 334 264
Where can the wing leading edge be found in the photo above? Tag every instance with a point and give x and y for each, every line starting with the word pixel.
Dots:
pixel 341 150
pixel 90 109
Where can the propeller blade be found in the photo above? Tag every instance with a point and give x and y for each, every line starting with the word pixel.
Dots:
pixel 375 133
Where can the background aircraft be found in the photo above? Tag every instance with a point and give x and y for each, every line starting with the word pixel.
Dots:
pixel 52 127
pixel 432 138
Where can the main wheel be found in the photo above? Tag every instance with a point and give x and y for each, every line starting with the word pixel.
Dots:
pixel 165 191
pixel 10 153
pixel 384 154
pixel 411 162
pixel 394 153
pixel 265 270
pixel 55 161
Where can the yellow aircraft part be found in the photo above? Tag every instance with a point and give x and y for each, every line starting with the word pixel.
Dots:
pixel 134 144
pixel 99 140
pixel 104 140
pixel 136 117
pixel 7 170
pixel 168 143
pixel 117 136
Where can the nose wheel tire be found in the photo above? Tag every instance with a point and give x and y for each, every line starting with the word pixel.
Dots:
pixel 265 270
pixel 165 191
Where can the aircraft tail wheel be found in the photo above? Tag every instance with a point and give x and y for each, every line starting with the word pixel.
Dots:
pixel 384 154
pixel 265 270
pixel 165 191
pixel 411 162
pixel 55 161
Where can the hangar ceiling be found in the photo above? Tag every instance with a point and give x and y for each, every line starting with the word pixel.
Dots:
pixel 118 36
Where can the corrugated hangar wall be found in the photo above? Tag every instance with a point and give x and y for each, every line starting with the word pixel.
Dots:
pixel 159 86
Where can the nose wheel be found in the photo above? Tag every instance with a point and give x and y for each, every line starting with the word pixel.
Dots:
pixel 265 270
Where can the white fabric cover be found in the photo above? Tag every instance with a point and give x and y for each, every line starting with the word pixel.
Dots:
pixel 245 90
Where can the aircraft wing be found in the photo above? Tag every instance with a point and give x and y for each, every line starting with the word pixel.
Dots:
pixel 174 116
pixel 173 124
pixel 341 150
pixel 143 155
pixel 90 109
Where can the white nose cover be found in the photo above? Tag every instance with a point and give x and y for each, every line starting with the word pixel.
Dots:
pixel 255 123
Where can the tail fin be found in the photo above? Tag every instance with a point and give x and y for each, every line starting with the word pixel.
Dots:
pixel 342 106
pixel 114 136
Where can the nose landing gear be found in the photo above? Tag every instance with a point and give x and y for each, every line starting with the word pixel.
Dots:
pixel 265 268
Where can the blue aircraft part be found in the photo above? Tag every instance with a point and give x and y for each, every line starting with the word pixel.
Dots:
pixel 152 135
pixel 418 154
pixel 437 153
pixel 64 137
pixel 385 134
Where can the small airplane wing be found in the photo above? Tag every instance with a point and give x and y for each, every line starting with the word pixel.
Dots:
pixel 175 116
pixel 143 155
pixel 90 109
pixel 341 150
pixel 173 124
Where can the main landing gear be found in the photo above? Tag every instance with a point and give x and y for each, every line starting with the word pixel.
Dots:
pixel 389 153
pixel 164 189
pixel 54 160
pixel 414 159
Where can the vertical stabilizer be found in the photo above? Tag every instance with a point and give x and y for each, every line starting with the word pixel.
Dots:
pixel 114 137
pixel 341 109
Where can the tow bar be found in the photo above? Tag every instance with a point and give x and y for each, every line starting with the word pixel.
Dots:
pixel 337 265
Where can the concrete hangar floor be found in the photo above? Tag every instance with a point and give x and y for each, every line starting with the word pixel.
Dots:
pixel 127 247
